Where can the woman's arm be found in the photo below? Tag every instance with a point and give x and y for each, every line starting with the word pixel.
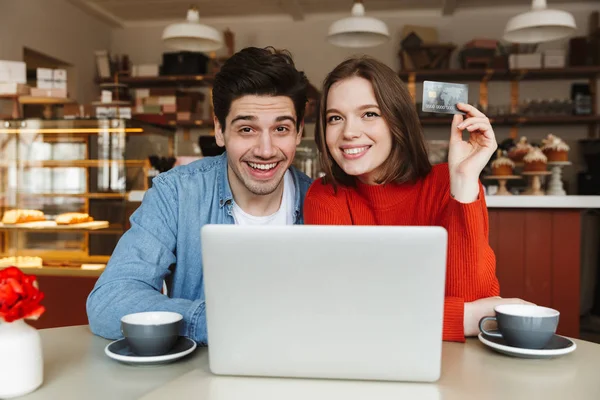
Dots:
pixel 471 263
pixel 471 275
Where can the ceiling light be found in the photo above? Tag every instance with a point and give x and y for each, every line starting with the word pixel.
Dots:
pixel 191 35
pixel 358 30
pixel 539 25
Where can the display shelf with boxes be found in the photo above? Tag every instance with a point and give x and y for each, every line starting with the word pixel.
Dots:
pixel 490 74
pixel 518 120
pixel 176 101
pixel 64 192
pixel 169 80
pixel 571 111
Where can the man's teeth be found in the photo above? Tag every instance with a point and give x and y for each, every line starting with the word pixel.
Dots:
pixel 262 167
pixel 356 150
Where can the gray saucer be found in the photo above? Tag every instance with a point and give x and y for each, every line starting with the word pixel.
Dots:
pixel 119 350
pixel 558 346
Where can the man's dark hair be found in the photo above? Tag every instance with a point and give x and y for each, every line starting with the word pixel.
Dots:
pixel 263 72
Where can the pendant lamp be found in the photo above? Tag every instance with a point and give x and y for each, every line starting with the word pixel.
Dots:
pixel 539 25
pixel 358 30
pixel 191 35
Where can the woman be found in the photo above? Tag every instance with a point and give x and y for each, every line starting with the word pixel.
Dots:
pixel 377 173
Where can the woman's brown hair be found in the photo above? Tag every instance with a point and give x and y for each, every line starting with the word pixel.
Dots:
pixel 408 159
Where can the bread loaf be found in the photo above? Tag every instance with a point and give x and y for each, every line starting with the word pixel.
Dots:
pixel 18 216
pixel 73 218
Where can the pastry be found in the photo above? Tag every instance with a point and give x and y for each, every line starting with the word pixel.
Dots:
pixel 535 161
pixel 18 216
pixel 21 261
pixel 502 166
pixel 73 218
pixel 520 150
pixel 555 149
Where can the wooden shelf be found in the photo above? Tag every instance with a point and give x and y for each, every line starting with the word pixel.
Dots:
pixel 112 229
pixel 56 136
pixel 77 195
pixel 89 127
pixel 554 119
pixel 44 100
pixel 199 123
pixel 172 80
pixel 169 121
pixel 466 75
pixel 62 271
pixel 63 255
pixel 570 73
pixel 454 75
pixel 112 84
pixel 523 120
pixel 77 163
pixel 120 103
pixel 429 121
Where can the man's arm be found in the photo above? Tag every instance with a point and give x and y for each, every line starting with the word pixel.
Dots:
pixel 133 279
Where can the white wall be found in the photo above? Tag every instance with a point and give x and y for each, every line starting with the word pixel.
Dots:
pixel 58 29
pixel 306 40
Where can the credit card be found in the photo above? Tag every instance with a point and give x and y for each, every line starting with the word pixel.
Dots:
pixel 442 97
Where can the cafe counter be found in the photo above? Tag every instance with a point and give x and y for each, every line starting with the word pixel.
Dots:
pixel 538 242
pixel 544 202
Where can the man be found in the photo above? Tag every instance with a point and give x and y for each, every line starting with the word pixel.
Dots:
pixel 259 99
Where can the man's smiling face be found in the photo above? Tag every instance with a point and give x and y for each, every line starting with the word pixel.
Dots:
pixel 260 137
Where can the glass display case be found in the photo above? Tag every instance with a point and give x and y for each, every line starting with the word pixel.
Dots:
pixel 65 187
pixel 307 160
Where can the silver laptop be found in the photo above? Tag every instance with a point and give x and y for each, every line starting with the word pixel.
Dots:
pixel 347 302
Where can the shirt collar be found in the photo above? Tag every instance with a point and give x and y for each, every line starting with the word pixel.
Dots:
pixel 225 195
pixel 298 195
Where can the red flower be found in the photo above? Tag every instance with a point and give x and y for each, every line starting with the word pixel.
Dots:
pixel 19 295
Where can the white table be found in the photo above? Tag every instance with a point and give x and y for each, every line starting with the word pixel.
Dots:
pixel 77 368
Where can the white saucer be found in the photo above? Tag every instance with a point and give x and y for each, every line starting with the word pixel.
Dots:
pixel 119 350
pixel 558 346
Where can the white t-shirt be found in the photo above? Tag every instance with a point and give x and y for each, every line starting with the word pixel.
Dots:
pixel 283 216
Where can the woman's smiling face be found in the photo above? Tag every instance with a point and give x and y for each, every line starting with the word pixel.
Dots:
pixel 357 135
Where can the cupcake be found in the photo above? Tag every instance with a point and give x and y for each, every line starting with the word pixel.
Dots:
pixel 520 150
pixel 535 161
pixel 555 149
pixel 502 166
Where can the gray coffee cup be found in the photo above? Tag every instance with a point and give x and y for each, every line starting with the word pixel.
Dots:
pixel 523 325
pixel 151 333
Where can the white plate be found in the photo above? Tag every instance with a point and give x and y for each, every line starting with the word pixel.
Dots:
pixel 558 346
pixel 119 350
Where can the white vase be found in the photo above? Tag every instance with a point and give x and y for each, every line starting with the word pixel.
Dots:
pixel 21 360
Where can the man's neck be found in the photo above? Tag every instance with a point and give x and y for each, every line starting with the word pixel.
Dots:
pixel 253 204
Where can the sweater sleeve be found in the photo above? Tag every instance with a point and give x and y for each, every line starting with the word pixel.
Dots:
pixel 471 265
pixel 324 206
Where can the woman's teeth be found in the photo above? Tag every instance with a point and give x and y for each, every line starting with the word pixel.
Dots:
pixel 356 150
pixel 262 167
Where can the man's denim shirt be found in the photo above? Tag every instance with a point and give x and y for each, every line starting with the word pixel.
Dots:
pixel 163 244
